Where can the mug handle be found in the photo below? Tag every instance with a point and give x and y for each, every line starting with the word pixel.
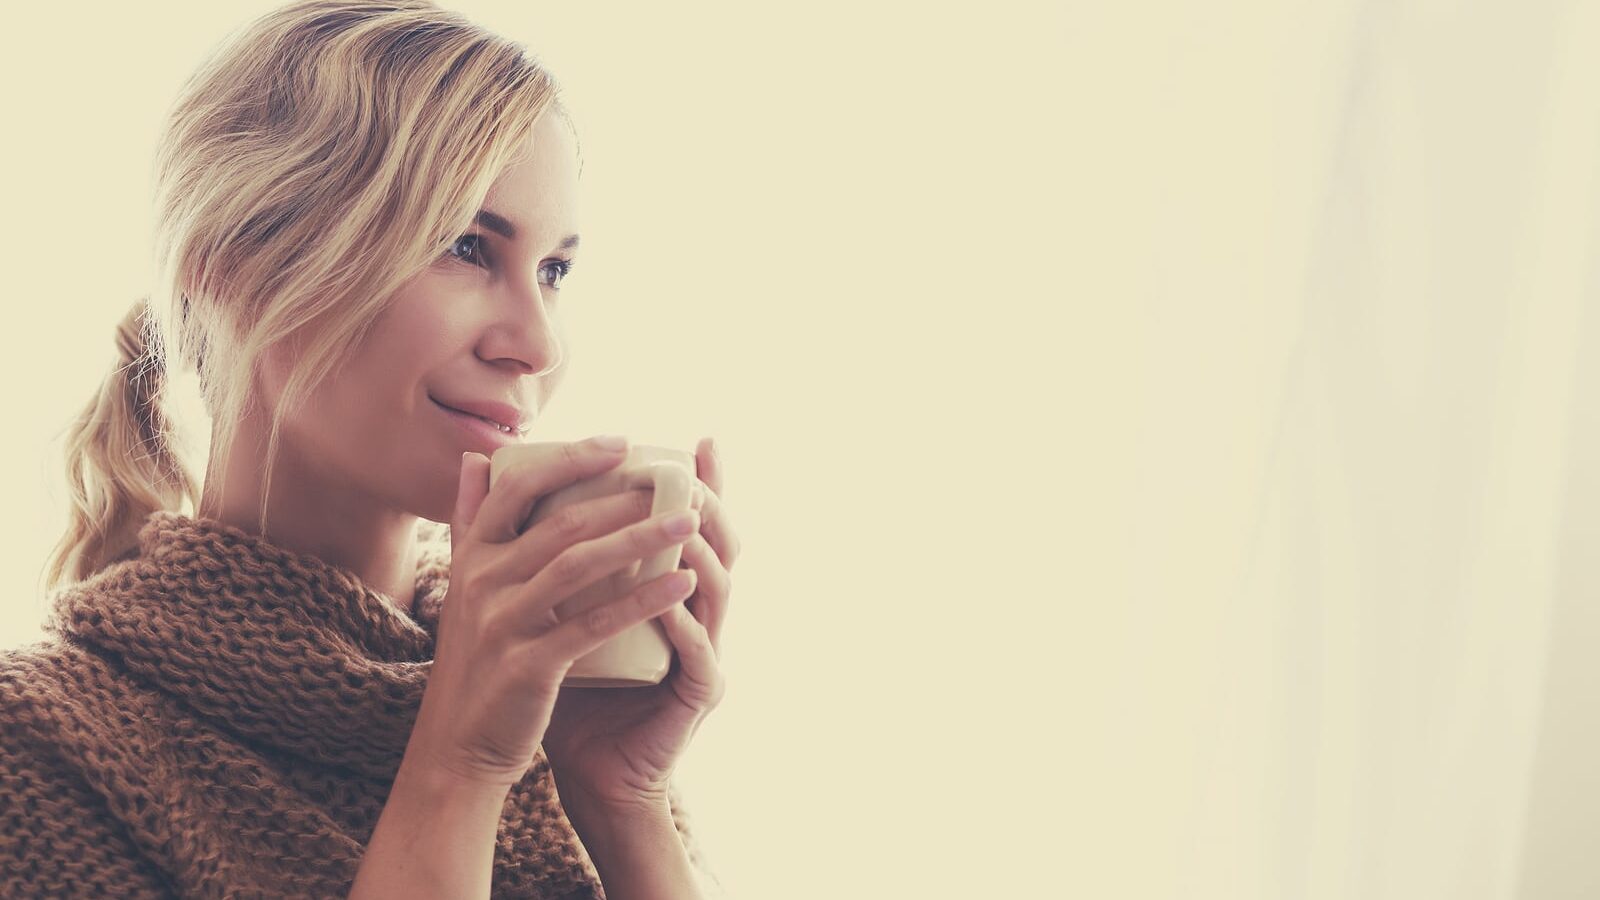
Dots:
pixel 675 489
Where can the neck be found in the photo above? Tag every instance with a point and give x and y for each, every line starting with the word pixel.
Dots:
pixel 338 525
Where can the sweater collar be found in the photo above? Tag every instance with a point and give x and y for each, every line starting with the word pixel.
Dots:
pixel 276 646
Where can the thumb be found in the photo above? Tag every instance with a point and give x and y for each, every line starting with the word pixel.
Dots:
pixel 470 491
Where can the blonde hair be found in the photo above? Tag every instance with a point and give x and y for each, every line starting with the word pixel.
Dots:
pixel 324 155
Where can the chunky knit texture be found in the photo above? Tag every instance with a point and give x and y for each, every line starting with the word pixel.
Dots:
pixel 222 717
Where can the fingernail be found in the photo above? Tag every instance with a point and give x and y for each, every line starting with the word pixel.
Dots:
pixel 681 524
pixel 611 442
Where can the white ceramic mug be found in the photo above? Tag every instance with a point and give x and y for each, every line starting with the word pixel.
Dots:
pixel 642 655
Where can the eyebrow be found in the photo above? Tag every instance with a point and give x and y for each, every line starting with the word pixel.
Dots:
pixel 503 227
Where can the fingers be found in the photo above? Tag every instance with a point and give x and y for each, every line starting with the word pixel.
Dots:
pixel 717 528
pixel 471 487
pixel 521 486
pixel 708 464
pixel 710 601
pixel 575 522
pixel 698 681
pixel 582 634
pixel 584 563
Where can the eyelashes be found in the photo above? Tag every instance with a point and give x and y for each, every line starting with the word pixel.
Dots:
pixel 561 267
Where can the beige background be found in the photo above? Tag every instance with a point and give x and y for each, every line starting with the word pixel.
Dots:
pixel 1158 431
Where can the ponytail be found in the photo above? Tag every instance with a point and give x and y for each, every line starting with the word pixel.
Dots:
pixel 121 458
pixel 269 231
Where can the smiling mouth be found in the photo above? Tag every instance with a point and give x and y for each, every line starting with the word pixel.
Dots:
pixel 507 429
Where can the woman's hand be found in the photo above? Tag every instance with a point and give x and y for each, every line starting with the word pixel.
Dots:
pixel 502 649
pixel 616 748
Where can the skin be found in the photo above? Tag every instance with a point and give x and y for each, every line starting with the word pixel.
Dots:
pixel 370 454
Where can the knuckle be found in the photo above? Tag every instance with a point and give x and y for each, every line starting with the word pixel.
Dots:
pixel 597 622
pixel 519 620
pixel 493 631
pixel 546 620
pixel 572 453
pixel 568 521
pixel 465 583
pixel 567 567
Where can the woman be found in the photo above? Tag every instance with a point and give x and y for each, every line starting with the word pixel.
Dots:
pixel 310 688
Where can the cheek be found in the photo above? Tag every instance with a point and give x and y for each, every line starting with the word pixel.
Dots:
pixel 363 411
pixel 375 437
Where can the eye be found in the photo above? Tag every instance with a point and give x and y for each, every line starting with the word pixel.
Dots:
pixel 473 256
pixel 562 267
pixel 474 241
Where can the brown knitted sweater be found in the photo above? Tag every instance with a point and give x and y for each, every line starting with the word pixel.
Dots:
pixel 222 717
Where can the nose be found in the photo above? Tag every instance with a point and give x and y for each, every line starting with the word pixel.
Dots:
pixel 523 333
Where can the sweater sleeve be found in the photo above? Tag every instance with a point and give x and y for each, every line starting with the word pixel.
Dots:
pixel 57 837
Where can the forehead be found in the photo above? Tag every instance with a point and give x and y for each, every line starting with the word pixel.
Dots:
pixel 538 191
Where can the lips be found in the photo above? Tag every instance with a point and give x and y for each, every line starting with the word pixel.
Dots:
pixel 503 415
pixel 508 428
pixel 477 433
